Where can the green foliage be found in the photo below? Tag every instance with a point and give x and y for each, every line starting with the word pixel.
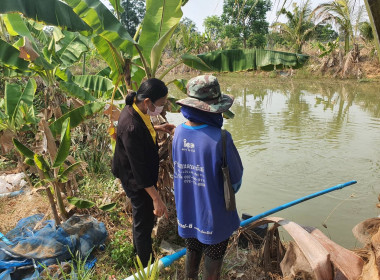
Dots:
pixel 324 33
pixel 77 116
pixel 244 19
pixel 248 59
pixel 122 251
pixel 50 12
pixel 108 207
pixel 26 152
pixel 366 30
pixel 150 274
pixel 74 270
pixel 80 203
pixel 328 48
pixel 17 109
pixel 341 13
pixel 213 26
pixel 134 11
pixel 156 25
pixel 299 28
pixel 91 144
pixel 188 23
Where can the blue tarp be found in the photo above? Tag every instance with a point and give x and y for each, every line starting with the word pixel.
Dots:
pixel 48 245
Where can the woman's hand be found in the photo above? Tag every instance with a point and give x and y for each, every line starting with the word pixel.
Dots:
pixel 158 205
pixel 166 127
pixel 160 208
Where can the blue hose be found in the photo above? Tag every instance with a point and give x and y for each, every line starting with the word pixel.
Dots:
pixel 168 260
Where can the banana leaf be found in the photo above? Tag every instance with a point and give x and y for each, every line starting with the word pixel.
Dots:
pixel 51 12
pixel 267 60
pixel 195 62
pixel 111 56
pixel 64 147
pixel 25 151
pixel 76 91
pixel 93 82
pixel 103 23
pixel 80 203
pixel 180 84
pixel 160 17
pixel 64 175
pixel 42 165
pixel 240 60
pixel 158 48
pixel 9 57
pixel 18 102
pixel 72 46
pixel 116 4
pixel 12 96
pixel 24 105
pixel 76 116
pixel 108 207
pixel 16 26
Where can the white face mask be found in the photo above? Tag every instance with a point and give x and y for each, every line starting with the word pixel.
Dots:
pixel 157 110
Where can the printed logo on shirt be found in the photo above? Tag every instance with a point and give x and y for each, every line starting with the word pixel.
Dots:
pixel 188 146
pixel 191 226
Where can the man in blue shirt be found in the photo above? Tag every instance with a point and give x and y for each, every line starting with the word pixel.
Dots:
pixel 203 219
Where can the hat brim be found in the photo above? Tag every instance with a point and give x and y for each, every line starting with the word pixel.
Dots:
pixel 212 106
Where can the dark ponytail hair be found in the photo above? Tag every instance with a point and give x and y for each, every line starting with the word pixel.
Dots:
pixel 153 89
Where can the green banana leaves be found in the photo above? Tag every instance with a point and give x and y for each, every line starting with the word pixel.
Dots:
pixel 64 147
pixel 240 60
pixel 9 57
pixel 18 103
pixel 160 17
pixel 103 23
pixel 51 12
pixel 76 116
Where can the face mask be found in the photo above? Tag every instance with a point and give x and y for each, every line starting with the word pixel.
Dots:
pixel 157 110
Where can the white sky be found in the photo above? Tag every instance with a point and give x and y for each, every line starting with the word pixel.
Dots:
pixel 198 10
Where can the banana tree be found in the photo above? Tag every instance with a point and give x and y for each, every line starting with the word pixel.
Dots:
pixel 52 172
pixel 62 49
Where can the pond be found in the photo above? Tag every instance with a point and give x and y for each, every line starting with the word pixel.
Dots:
pixel 297 137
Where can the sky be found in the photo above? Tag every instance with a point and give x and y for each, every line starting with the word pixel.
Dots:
pixel 198 10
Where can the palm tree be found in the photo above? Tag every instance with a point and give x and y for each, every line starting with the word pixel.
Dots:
pixel 299 27
pixel 340 12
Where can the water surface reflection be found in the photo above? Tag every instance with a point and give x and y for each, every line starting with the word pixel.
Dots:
pixel 298 137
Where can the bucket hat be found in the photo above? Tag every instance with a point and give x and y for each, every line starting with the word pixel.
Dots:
pixel 204 94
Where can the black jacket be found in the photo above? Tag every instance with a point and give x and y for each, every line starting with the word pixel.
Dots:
pixel 135 161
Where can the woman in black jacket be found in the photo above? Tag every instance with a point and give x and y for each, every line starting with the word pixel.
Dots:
pixel 136 160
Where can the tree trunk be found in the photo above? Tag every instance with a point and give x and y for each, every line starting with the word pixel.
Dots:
pixel 373 9
pixel 61 205
pixel 346 43
pixel 51 198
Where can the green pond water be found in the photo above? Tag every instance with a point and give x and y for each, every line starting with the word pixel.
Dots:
pixel 297 137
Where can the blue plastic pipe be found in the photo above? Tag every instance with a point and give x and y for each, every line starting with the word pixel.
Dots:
pixel 168 260
pixel 6 240
pixel 294 202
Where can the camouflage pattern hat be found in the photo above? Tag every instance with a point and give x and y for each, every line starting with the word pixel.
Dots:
pixel 204 94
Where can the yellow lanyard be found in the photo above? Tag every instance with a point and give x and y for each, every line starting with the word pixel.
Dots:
pixel 147 122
